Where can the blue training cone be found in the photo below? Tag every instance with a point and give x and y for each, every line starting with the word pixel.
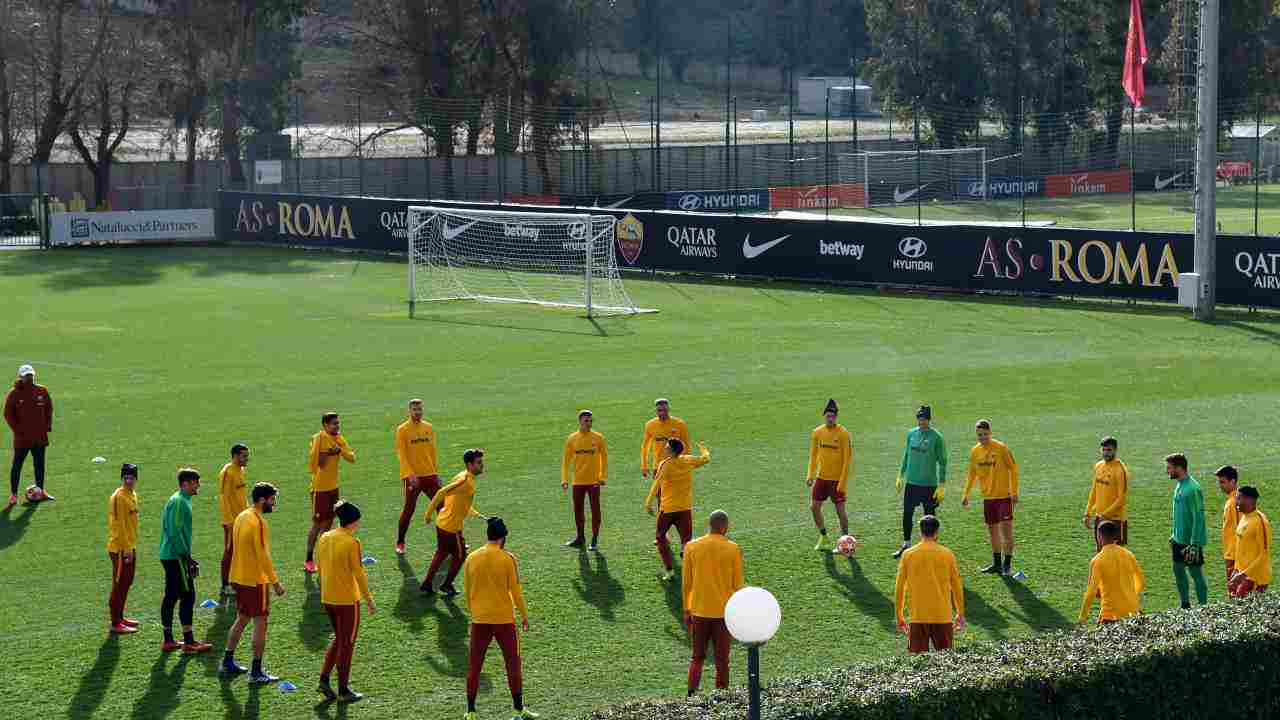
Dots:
pixel 1019 575
pixel 369 560
pixel 286 686
pixel 207 604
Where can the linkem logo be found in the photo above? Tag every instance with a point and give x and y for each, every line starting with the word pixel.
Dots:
pixel 913 250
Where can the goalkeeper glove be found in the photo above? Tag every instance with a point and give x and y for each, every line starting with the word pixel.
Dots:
pixel 940 493
pixel 898 485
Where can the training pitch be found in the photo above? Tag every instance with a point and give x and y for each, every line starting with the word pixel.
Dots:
pixel 167 356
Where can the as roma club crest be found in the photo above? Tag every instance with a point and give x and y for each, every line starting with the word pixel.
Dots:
pixel 630 234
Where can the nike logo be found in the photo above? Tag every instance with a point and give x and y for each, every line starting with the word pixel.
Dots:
pixel 750 251
pixel 899 196
pixel 1166 182
pixel 620 203
pixel 451 233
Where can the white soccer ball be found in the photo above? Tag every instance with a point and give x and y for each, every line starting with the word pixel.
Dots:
pixel 34 494
pixel 99 460
pixel 847 545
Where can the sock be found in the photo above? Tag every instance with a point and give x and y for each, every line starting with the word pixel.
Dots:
pixel 1183 583
pixel 228 658
pixel 168 634
pixel 310 556
pixel 257 666
pixel 471 704
pixel 324 679
pixel 188 637
pixel 822 532
pixel 995 559
pixel 1008 560
pixel 517 701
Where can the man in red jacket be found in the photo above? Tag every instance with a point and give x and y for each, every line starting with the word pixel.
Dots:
pixel 29 411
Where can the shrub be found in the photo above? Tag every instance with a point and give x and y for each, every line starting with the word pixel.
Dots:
pixel 1221 661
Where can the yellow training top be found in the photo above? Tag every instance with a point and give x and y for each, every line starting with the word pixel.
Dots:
pixel 1114 574
pixel 493 585
pixel 656 434
pixel 712 574
pixel 416 448
pixel 929 576
pixel 456 498
pixel 232 498
pixel 251 550
pixel 587 456
pixel 996 472
pixel 338 562
pixel 1230 520
pixel 1253 547
pixel 1110 490
pixel 325 479
pixel 122 521
pixel 673 482
pixel 831 454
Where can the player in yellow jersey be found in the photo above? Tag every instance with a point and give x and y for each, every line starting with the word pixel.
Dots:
pixel 493 587
pixel 1253 546
pixel 416 449
pixel 992 467
pixel 830 463
pixel 929 579
pixel 253 574
pixel 662 427
pixel 342 585
pixel 232 501
pixel 122 547
pixel 1109 494
pixel 586 457
pixel 326 447
pixel 673 489
pixel 455 502
pixel 1115 576
pixel 1229 482
pixel 712 573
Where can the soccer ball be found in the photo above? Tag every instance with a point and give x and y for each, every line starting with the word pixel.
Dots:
pixel 34 494
pixel 847 545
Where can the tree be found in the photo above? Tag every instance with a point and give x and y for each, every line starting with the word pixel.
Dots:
pixel 8 96
pixel 99 119
pixel 59 68
pixel 184 29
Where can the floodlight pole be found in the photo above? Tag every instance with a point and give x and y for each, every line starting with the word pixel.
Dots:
pixel 1206 248
pixel 753 682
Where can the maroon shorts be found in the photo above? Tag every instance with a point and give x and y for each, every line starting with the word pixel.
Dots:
pixel 429 484
pixel 253 600
pixel 452 544
pixel 824 490
pixel 997 511
pixel 1247 587
pixel 1124 529
pixel 919 636
pixel 322 503
pixel 682 521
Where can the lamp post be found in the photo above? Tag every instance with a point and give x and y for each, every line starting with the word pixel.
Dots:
pixel 752 616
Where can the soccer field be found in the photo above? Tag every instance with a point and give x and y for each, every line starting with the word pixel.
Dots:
pixel 167 356
pixel 1168 211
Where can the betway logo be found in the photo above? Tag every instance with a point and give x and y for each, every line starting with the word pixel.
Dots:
pixel 520 231
pixel 841 249
pixel 1080 185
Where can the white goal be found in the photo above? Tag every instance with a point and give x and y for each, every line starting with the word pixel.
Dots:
pixel 553 259
pixel 896 176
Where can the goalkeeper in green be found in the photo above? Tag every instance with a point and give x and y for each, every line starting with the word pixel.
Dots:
pixel 922 478
pixel 1188 538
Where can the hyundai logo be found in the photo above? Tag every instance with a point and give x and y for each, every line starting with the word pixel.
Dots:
pixel 690 201
pixel 578 231
pixel 912 247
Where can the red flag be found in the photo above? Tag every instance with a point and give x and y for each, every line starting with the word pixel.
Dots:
pixel 1135 56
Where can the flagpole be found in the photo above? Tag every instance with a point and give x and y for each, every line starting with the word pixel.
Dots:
pixel 1133 185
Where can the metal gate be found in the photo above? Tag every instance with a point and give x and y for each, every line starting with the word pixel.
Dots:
pixel 20 224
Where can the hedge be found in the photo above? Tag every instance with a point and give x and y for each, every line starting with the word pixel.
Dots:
pixel 1220 661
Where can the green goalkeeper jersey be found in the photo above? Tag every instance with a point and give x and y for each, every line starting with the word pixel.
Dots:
pixel 924 462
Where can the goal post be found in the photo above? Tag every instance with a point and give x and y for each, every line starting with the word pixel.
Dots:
pixel 951 175
pixel 563 260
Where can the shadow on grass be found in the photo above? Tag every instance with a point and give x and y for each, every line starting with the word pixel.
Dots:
pixel 979 613
pixel 452 627
pixel 223 617
pixel 78 268
pixel 313 627
pixel 1258 333
pixel 331 710
pixel 1037 613
pixel 233 709
pixel 163 694
pixel 93 684
pixel 675 604
pixel 409 604
pixel 859 590
pixel 597 587
pixel 550 323
pixel 14 526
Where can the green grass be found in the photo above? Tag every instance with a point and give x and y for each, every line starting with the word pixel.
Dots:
pixel 1171 211
pixel 166 356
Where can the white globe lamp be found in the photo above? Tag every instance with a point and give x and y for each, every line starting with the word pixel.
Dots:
pixel 753 616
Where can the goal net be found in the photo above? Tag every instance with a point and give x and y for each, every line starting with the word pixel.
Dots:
pixel 902 176
pixel 552 259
